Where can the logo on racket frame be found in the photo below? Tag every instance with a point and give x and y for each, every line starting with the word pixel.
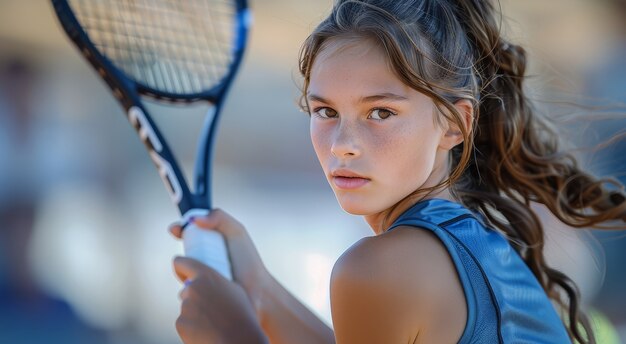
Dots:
pixel 138 119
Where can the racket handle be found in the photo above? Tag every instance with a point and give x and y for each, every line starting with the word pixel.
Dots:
pixel 205 245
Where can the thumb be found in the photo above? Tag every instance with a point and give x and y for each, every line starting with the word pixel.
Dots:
pixel 187 268
pixel 221 221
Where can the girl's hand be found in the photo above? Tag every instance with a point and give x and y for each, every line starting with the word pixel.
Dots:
pixel 248 268
pixel 214 309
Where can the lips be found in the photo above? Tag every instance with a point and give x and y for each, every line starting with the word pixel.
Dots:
pixel 348 180
pixel 345 173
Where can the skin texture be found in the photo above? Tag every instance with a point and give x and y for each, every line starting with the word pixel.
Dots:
pixel 394 287
pixel 398 287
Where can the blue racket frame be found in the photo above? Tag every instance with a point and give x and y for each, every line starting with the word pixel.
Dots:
pixel 128 92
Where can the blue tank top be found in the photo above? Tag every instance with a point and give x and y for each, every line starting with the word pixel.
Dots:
pixel 505 302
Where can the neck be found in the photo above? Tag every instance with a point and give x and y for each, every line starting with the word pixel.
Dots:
pixel 379 222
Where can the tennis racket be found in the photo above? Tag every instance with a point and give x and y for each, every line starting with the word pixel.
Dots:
pixel 179 51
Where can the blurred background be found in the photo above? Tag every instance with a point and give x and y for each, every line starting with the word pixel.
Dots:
pixel 85 256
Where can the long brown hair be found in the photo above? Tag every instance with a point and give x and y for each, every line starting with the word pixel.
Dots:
pixel 452 50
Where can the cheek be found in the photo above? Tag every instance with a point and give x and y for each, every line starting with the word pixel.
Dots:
pixel 384 144
pixel 320 139
pixel 410 153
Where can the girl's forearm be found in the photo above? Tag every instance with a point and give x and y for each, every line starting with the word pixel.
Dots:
pixel 286 320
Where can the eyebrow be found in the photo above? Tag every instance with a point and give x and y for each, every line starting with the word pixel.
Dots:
pixel 367 99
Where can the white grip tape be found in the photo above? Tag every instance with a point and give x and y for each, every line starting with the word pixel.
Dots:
pixel 205 245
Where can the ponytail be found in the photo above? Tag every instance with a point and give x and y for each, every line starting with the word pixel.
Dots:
pixel 517 161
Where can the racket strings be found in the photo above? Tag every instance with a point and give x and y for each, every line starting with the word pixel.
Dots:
pixel 177 47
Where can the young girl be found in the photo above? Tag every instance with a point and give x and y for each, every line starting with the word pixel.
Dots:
pixel 421 125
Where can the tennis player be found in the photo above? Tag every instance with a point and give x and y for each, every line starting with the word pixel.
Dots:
pixel 420 122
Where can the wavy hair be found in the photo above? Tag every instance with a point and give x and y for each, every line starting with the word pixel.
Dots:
pixel 453 50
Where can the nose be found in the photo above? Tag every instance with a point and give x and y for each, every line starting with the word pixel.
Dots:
pixel 345 141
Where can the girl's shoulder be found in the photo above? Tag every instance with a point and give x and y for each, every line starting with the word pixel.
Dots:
pixel 396 285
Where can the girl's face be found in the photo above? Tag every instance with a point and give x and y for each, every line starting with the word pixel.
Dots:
pixel 376 138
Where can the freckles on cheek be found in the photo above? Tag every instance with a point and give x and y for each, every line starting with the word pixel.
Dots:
pixel 408 149
pixel 383 145
pixel 320 141
pixel 394 143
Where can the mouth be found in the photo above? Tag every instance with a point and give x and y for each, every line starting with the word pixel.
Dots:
pixel 345 173
pixel 348 180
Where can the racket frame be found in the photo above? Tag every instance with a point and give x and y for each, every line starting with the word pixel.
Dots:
pixel 128 92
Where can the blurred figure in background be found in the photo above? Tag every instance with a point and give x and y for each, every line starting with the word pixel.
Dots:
pixel 28 314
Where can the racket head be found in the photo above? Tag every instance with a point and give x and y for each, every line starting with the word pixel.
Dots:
pixel 173 50
pixel 113 58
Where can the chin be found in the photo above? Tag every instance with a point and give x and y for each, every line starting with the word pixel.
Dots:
pixel 359 207
pixel 355 211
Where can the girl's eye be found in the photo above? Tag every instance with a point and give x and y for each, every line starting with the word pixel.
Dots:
pixel 325 112
pixel 380 114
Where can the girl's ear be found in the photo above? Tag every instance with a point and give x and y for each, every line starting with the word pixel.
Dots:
pixel 453 136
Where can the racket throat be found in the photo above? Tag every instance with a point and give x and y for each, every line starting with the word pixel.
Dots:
pixel 150 138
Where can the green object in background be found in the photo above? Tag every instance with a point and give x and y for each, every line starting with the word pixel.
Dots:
pixel 603 328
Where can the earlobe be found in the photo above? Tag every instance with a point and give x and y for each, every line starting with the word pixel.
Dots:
pixel 453 135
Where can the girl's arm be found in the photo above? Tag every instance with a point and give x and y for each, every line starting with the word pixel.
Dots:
pixel 285 320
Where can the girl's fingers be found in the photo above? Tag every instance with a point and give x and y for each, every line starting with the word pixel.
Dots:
pixel 220 221
pixel 215 220
pixel 187 268
pixel 176 229
pixel 183 294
